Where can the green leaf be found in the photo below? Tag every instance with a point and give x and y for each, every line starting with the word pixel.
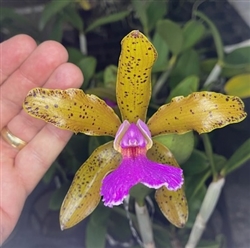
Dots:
pixel 58 196
pixel 57 30
pixel 140 8
pixel 181 145
pixel 193 31
pixel 171 34
pixel 87 66
pixel 241 155
pixel 239 56
pixel 194 183
pixel 187 86
pixel 188 64
pixel 104 93
pixel 75 55
pixel 228 70
pixel 16 24
pixel 219 162
pixel 97 228
pixel 118 221
pixel 219 241
pixel 163 53
pixel 110 74
pixel 156 10
pixel 10 14
pixel 75 152
pixel 162 237
pixel 197 163
pixel 49 173
pixel 52 8
pixel 72 16
pixel 107 19
pixel 96 141
pixel 194 202
pixel 215 34
pixel 207 65
pixel 139 192
pixel 238 86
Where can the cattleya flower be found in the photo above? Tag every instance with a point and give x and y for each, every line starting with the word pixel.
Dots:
pixel 133 157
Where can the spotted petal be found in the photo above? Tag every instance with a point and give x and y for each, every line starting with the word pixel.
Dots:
pixel 84 193
pixel 117 184
pixel 133 87
pixel 173 204
pixel 73 110
pixel 199 111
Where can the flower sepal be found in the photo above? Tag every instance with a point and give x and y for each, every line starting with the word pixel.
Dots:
pixel 83 195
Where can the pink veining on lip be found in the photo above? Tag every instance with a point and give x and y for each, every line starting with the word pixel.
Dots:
pixel 132 141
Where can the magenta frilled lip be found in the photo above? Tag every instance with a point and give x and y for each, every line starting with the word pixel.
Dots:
pixel 132 141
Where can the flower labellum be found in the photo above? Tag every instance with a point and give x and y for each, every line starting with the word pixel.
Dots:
pixel 133 141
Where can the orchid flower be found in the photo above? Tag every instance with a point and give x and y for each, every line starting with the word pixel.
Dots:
pixel 133 157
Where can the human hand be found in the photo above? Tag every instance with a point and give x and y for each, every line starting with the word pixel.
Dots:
pixel 24 65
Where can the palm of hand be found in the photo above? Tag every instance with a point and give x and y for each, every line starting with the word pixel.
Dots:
pixel 24 65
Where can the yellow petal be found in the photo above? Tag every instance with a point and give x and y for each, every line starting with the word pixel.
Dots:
pixel 199 111
pixel 85 4
pixel 84 193
pixel 173 204
pixel 133 86
pixel 73 110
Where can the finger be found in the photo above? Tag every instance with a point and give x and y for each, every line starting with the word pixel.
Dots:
pixel 65 76
pixel 37 156
pixel 13 52
pixel 32 73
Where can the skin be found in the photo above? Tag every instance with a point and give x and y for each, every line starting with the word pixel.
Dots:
pixel 23 66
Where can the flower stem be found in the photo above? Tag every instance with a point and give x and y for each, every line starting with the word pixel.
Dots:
pixel 132 228
pixel 213 76
pixel 83 43
pixel 207 208
pixel 145 225
pixel 209 153
pixel 164 76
